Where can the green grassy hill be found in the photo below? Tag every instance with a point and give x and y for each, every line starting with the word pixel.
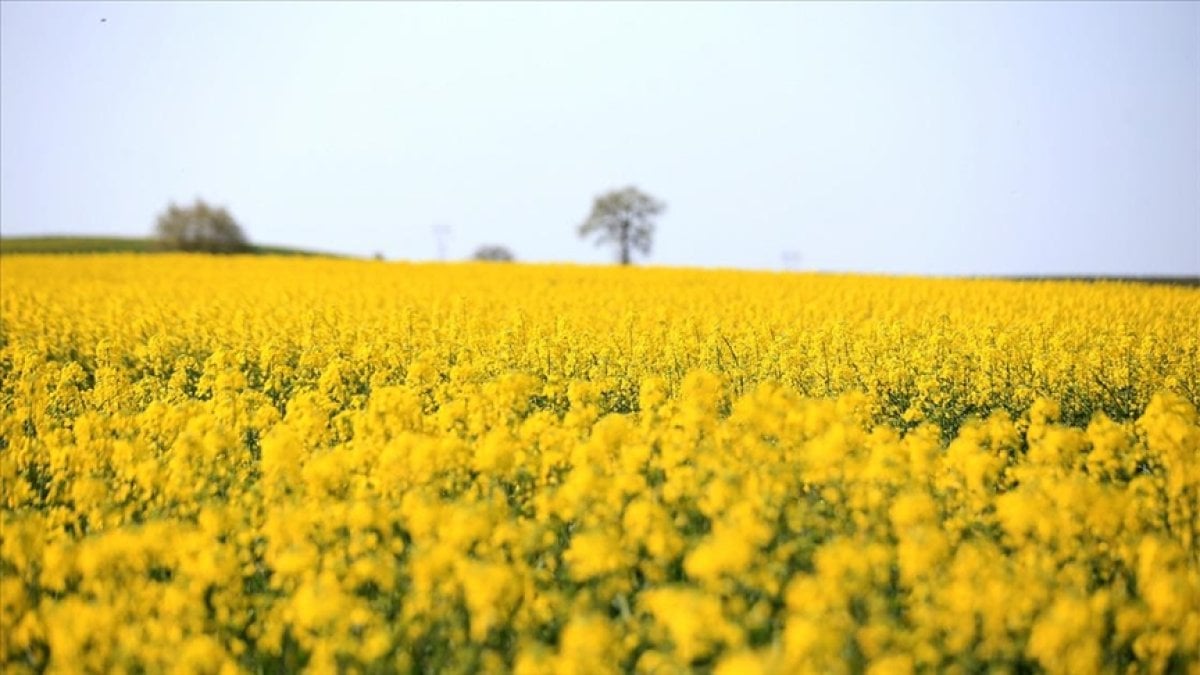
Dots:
pixel 70 244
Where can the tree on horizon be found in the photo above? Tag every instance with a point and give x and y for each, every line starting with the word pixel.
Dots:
pixel 493 253
pixel 624 218
pixel 199 228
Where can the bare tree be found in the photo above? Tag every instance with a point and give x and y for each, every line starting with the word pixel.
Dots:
pixel 493 253
pixel 625 218
pixel 199 227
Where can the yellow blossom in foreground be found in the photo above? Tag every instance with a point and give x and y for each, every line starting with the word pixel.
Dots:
pixel 228 464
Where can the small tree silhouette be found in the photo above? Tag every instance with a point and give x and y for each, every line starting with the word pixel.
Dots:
pixel 201 228
pixel 493 253
pixel 625 218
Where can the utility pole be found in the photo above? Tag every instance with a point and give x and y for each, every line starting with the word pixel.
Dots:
pixel 441 233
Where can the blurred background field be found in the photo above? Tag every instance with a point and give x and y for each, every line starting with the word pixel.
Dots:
pixel 68 244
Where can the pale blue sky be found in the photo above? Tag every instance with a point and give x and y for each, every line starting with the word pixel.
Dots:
pixel 941 138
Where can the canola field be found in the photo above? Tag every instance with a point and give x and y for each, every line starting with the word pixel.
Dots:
pixel 221 465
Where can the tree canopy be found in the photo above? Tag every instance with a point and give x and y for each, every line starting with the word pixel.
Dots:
pixel 201 228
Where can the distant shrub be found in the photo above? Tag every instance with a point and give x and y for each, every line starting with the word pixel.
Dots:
pixel 493 253
pixel 199 228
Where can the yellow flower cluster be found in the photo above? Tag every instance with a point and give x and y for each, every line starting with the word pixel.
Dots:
pixel 224 464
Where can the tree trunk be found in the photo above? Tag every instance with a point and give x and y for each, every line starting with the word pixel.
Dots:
pixel 624 242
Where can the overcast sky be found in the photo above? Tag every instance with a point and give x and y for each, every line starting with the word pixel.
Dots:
pixel 941 138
